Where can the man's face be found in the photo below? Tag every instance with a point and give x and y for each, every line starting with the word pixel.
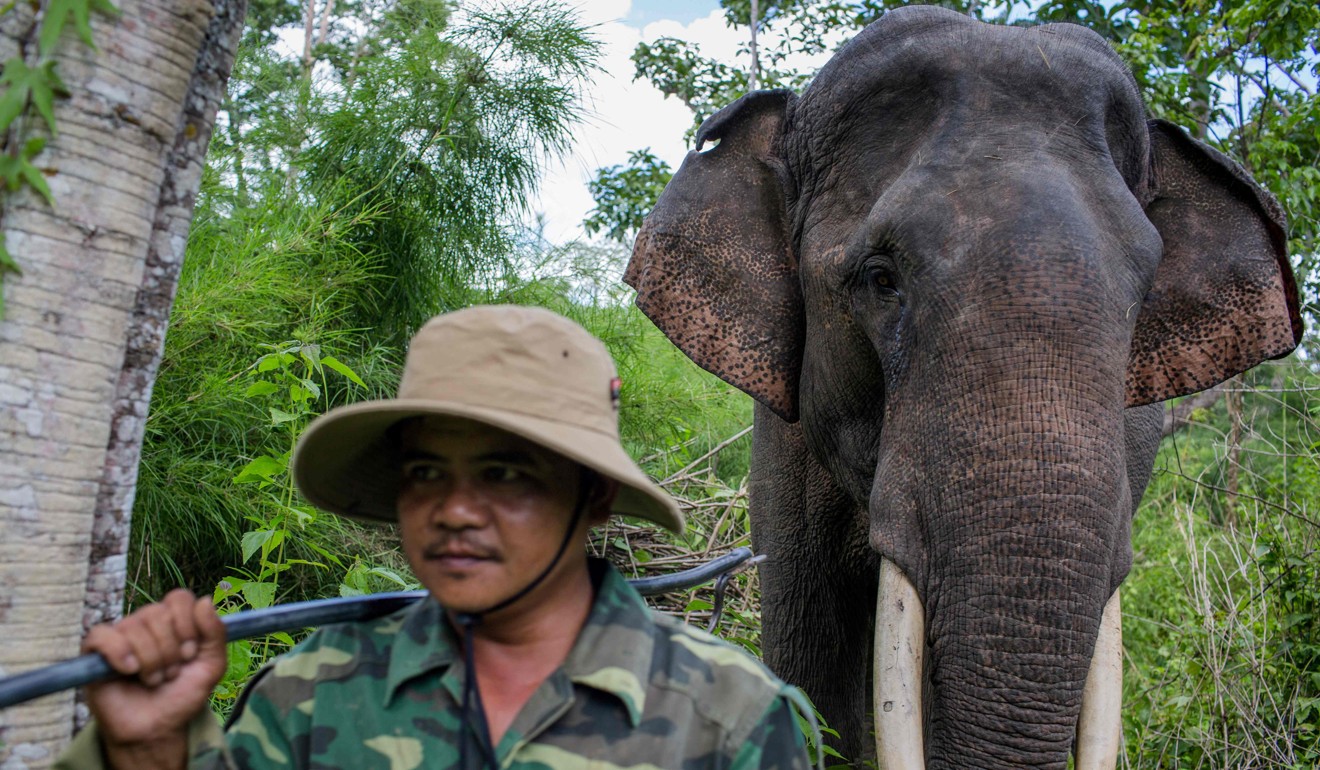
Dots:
pixel 482 512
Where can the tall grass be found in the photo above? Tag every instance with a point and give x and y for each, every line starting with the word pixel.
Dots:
pixel 341 212
pixel 253 276
pixel 1222 609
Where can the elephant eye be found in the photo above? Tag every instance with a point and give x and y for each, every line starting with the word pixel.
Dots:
pixel 880 277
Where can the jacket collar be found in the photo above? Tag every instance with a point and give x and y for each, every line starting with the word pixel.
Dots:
pixel 423 642
pixel 612 653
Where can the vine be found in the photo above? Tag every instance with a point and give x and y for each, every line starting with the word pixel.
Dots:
pixel 28 92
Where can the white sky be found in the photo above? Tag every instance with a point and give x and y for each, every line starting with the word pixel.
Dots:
pixel 626 115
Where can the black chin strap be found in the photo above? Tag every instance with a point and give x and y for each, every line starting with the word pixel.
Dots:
pixel 473 726
pixel 474 723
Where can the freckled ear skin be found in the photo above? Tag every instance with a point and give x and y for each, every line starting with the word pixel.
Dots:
pixel 713 266
pixel 1224 297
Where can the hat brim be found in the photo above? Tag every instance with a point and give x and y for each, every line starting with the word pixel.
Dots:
pixel 345 462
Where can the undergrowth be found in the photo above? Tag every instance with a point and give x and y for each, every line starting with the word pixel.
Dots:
pixel 1222 609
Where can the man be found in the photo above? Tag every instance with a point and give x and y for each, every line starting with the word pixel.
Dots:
pixel 499 454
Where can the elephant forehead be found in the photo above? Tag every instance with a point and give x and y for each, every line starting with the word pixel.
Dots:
pixel 889 88
pixel 925 41
pixel 965 104
pixel 1033 72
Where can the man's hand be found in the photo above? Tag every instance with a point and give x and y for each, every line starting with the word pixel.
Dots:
pixel 176 649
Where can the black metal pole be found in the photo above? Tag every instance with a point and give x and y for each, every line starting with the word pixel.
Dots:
pixel 90 668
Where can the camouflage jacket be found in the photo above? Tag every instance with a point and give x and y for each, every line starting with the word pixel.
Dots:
pixel 638 690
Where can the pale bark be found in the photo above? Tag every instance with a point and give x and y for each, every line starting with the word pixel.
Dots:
pixel 323 33
pixel 309 23
pixel 183 164
pixel 756 63
pixel 88 312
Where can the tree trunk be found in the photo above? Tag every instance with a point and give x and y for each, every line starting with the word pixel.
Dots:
pixel 753 80
pixel 81 341
pixel 309 24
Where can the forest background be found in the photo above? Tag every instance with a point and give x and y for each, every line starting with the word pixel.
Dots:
pixel 377 171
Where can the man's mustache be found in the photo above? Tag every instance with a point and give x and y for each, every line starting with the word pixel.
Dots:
pixel 460 546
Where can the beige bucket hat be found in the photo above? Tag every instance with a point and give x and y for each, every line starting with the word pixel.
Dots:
pixel 525 370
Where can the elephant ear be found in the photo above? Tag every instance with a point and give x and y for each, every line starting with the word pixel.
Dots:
pixel 713 265
pixel 1224 297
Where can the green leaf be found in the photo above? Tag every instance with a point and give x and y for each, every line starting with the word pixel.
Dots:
pixel 261 388
pixel 389 575
pixel 227 588
pixel 271 570
pixel 7 263
pixel 354 582
pixel 33 176
pixel 44 93
pixel 268 362
pixel 16 169
pixel 309 353
pixel 36 85
pixel 14 98
pixel 11 171
pixel 252 542
pixel 240 660
pixel 338 366
pixel 279 416
pixel 316 564
pixel 259 595
pixel 263 468
pixel 312 388
pixel 282 638
pixel 57 16
pixel 302 516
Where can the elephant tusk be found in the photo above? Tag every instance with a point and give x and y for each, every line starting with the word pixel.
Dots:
pixel 900 644
pixel 1100 725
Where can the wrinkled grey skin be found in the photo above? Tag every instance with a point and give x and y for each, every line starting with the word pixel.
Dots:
pixel 959 273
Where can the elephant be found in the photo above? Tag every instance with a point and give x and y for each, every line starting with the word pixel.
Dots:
pixel 958 274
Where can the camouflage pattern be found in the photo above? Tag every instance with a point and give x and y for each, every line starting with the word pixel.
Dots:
pixel 639 691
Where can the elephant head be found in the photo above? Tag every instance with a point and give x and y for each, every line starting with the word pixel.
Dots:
pixel 961 259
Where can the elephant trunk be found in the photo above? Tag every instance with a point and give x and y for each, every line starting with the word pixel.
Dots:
pixel 1007 685
pixel 899 674
pixel 1019 532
